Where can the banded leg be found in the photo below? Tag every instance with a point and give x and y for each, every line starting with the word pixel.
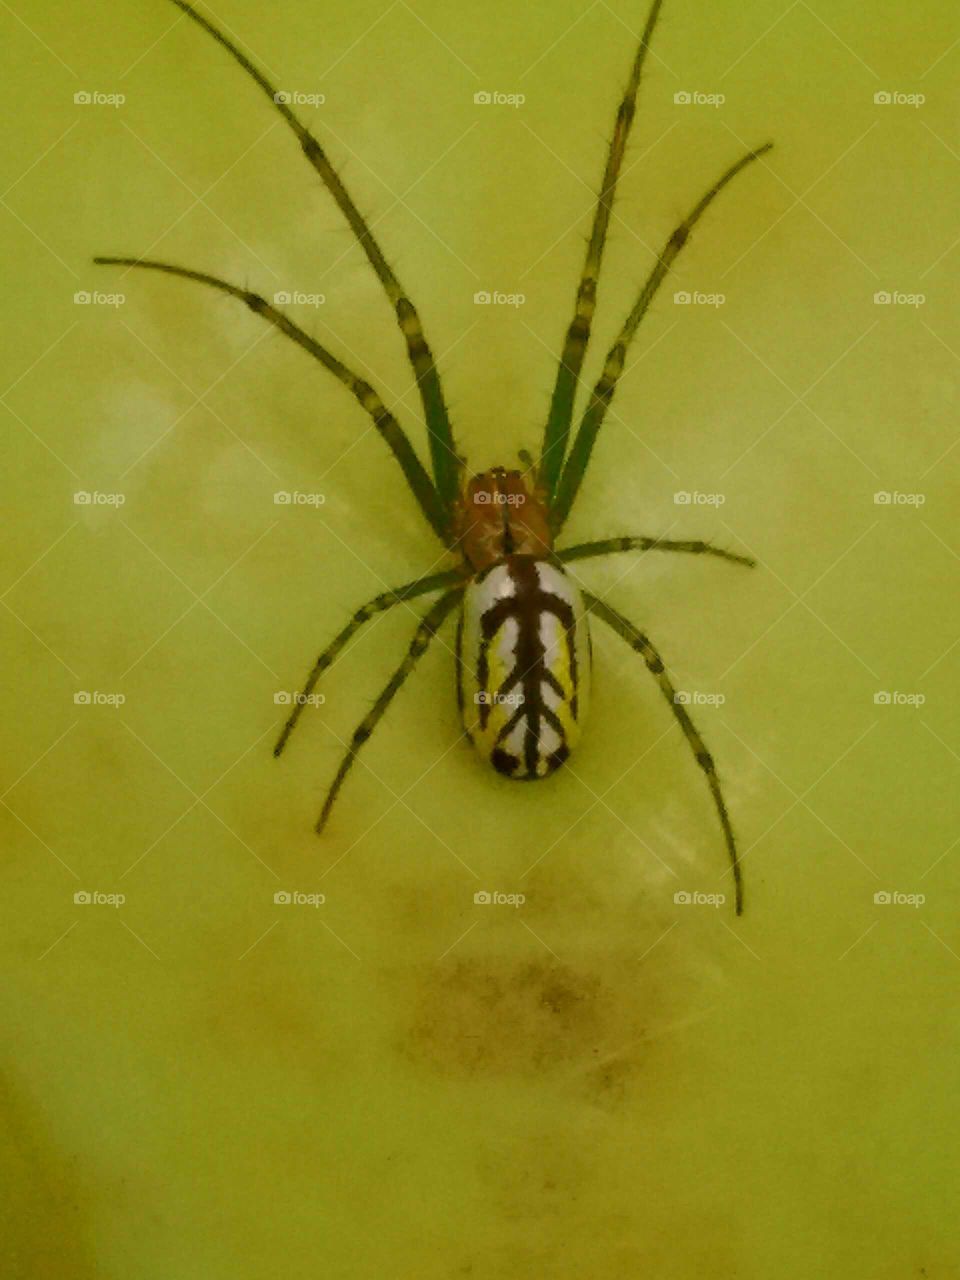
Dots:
pixel 442 450
pixel 387 425
pixel 603 392
pixel 428 628
pixel 386 600
pixel 639 642
pixel 611 546
pixel 560 416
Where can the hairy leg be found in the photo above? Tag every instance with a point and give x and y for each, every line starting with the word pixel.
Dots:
pixel 424 633
pixel 386 600
pixel 443 453
pixel 639 642
pixel 577 339
pixel 576 464
pixel 612 546
pixel 387 425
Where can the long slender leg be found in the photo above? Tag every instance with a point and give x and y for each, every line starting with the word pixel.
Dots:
pixel 638 641
pixel 603 392
pixel 442 449
pixel 611 546
pixel 560 416
pixel 388 426
pixel 428 628
pixel 386 600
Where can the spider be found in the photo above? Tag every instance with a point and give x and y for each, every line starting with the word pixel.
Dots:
pixel 523 646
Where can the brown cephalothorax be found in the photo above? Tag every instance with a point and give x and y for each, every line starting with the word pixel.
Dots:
pixel 501 513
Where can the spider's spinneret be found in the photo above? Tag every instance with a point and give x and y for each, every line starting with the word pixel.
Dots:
pixel 523 648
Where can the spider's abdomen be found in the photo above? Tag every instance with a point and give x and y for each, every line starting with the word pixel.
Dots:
pixel 523 665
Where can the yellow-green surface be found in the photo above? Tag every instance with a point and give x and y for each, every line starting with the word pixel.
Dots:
pixel 601 1083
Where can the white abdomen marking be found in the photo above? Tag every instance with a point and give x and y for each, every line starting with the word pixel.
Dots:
pixel 524 666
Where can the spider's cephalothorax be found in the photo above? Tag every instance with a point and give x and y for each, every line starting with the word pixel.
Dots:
pixel 523 651
pixel 523 648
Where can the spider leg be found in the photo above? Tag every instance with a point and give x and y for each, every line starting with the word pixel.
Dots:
pixel 386 600
pixel 611 546
pixel 603 392
pixel 428 628
pixel 560 416
pixel 387 425
pixel 639 642
pixel 446 464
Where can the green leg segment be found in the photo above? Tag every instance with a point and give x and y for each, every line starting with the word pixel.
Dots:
pixel 386 600
pixel 560 416
pixel 639 642
pixel 612 546
pixel 428 628
pixel 446 464
pixel 387 425
pixel 602 394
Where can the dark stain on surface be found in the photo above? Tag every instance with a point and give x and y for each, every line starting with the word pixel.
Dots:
pixel 492 1016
